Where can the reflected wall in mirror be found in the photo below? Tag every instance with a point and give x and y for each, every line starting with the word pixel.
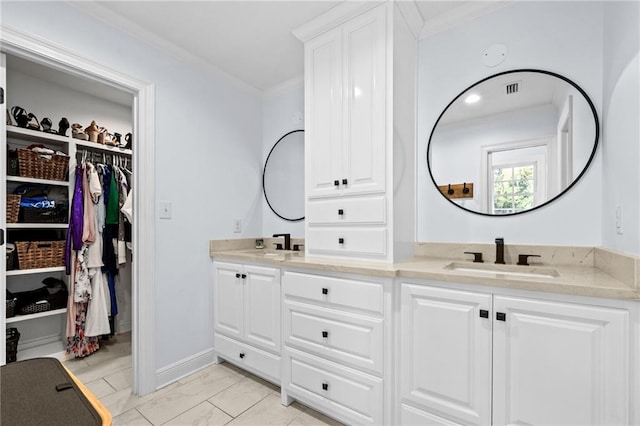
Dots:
pixel 521 137
pixel 283 177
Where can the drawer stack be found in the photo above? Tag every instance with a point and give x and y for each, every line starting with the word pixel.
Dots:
pixel 333 334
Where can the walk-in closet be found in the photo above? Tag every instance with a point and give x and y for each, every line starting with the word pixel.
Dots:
pixel 68 186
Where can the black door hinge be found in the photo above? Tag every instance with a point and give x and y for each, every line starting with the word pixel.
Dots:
pixel 1 95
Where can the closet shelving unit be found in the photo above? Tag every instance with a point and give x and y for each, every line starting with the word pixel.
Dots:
pixel 18 137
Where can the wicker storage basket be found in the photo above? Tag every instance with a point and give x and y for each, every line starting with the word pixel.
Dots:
pixel 33 165
pixel 59 214
pixel 12 344
pixel 13 207
pixel 40 254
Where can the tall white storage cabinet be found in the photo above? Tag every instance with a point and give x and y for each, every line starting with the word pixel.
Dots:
pixel 48 92
pixel 359 140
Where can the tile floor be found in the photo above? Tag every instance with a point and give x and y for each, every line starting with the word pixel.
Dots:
pixel 217 395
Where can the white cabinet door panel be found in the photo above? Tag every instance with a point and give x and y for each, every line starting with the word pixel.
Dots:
pixel 560 363
pixel 445 362
pixel 262 307
pixel 228 288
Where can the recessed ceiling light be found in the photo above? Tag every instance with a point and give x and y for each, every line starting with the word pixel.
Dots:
pixel 472 98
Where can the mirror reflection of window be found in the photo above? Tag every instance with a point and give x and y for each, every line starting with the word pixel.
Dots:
pixel 513 188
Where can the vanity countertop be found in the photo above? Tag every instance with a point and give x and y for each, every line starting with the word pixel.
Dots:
pixel 578 280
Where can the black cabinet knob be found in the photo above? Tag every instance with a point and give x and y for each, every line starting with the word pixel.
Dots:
pixel 325 291
pixel 325 386
pixel 336 182
pixel 344 181
pixel 340 240
pixel 484 313
pixel 244 276
pixel 237 275
pixel 501 316
pixel 340 212
pixel 241 354
pixel 325 334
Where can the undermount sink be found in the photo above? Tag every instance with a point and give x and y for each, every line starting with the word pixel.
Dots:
pixel 503 270
pixel 273 253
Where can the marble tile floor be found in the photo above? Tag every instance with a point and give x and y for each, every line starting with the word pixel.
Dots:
pixel 217 395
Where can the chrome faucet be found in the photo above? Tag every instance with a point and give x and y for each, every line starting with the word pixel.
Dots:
pixel 500 250
pixel 287 240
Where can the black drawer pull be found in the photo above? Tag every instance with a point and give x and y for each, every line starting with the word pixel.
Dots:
pixel 340 212
pixel 325 386
pixel 325 291
pixel 344 181
pixel 336 182
pixel 484 313
pixel 325 334
pixel 501 316
pixel 340 240
pixel 237 275
pixel 241 354
pixel 244 276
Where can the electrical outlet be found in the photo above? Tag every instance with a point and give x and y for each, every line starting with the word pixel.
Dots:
pixel 237 226
pixel 619 229
pixel 165 209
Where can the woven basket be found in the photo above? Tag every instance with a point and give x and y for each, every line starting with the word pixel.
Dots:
pixel 34 308
pixel 40 254
pixel 59 214
pixel 12 344
pixel 13 207
pixel 33 165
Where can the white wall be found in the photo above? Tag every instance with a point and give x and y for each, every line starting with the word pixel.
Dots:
pixel 563 37
pixel 208 163
pixel 621 152
pixel 283 111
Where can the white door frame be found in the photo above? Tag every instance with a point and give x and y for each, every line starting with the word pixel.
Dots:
pixel 42 51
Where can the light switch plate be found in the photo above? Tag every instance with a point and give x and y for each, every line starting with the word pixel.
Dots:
pixel 165 209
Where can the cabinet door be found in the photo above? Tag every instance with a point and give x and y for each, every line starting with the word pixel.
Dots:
pixel 364 129
pixel 227 293
pixel 262 307
pixel 323 112
pixel 560 363
pixel 445 361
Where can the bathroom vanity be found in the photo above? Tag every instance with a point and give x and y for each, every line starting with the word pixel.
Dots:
pixel 443 340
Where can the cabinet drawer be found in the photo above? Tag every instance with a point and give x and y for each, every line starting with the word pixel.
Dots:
pixel 359 241
pixel 349 393
pixel 342 337
pixel 347 211
pixel 412 416
pixel 247 357
pixel 336 292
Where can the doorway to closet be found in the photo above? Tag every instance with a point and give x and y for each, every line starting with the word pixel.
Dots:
pixel 47 81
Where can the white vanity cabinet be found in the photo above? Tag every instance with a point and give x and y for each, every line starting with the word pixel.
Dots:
pixel 479 358
pixel 247 317
pixel 334 331
pixel 359 72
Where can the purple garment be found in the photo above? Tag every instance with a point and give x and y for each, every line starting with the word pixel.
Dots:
pixel 76 220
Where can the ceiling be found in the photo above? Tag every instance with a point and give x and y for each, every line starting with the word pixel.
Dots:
pixel 248 41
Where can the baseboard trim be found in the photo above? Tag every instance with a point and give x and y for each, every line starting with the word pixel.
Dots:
pixel 176 371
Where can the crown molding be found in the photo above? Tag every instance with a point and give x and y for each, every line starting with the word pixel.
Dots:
pixel 333 18
pixel 125 25
pixel 464 13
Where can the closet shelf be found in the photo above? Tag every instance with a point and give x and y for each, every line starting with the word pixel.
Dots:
pixel 36 136
pixel 40 181
pixel 15 272
pixel 37 225
pixel 98 147
pixel 20 318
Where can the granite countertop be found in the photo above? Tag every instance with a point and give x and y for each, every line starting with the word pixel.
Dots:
pixel 581 280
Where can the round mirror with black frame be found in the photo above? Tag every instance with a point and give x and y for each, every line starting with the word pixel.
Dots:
pixel 513 142
pixel 283 177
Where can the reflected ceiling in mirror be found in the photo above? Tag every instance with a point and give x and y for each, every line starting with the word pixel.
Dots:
pixel 283 177
pixel 513 142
